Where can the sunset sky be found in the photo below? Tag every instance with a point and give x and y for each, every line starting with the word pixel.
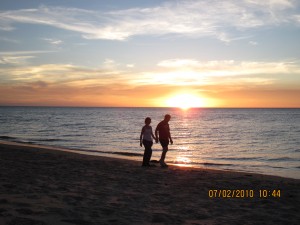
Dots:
pixel 217 53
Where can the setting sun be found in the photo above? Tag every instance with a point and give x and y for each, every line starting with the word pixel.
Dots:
pixel 185 101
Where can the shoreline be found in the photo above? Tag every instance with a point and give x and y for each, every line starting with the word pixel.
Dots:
pixel 45 185
pixel 117 155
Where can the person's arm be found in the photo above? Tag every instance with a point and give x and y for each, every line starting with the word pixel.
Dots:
pixel 153 135
pixel 141 137
pixel 171 141
pixel 156 134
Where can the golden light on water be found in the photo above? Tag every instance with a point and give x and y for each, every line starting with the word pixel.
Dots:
pixel 182 160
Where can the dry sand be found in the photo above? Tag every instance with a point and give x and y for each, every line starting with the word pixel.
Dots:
pixel 43 186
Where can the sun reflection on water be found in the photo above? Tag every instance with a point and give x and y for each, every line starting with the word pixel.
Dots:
pixel 182 161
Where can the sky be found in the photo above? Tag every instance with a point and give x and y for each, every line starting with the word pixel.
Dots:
pixel 137 53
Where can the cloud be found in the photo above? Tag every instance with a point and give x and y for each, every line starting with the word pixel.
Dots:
pixel 177 63
pixel 190 72
pixel 5 24
pixel 224 20
pixel 230 67
pixel 195 19
pixel 130 65
pixel 53 41
pixel 253 43
pixel 14 59
pixel 9 40
pixel 23 52
pixel 19 57
pixel 67 74
pixel 297 18
pixel 67 84
pixel 171 72
pixel 109 64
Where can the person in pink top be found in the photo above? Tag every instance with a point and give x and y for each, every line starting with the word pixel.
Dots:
pixel 146 140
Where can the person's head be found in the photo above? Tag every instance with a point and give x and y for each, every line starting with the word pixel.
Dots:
pixel 148 120
pixel 167 117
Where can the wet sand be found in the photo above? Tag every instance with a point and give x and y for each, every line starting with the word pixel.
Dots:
pixel 44 186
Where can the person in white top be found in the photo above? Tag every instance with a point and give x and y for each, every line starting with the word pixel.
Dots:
pixel 146 139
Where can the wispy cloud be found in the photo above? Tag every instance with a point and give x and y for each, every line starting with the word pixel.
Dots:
pixel 119 84
pixel 24 52
pixel 253 43
pixel 172 72
pixel 9 40
pixel 231 67
pixel 15 59
pixel 66 74
pixel 5 24
pixel 18 58
pixel 223 20
pixel 54 42
pixel 190 72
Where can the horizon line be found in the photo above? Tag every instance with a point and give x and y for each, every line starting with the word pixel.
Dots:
pixel 168 107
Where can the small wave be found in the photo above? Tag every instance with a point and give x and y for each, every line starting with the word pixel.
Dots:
pixel 127 153
pixel 241 159
pixel 281 159
pixel 26 142
pixel 277 167
pixel 50 140
pixel 269 166
pixel 16 140
pixel 216 164
pixel 72 135
pixel 108 152
pixel 7 138
pixel 79 124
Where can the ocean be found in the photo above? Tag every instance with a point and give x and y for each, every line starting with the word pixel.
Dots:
pixel 265 141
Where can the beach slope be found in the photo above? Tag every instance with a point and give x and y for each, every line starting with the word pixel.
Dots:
pixel 42 186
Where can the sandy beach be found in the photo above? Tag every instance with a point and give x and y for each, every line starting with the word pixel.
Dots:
pixel 42 186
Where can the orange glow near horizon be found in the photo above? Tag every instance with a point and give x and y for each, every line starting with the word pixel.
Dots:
pixel 37 94
pixel 185 101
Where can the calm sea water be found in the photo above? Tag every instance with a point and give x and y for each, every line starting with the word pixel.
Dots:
pixel 254 140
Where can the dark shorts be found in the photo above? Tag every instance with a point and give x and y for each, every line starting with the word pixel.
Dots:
pixel 164 143
pixel 147 144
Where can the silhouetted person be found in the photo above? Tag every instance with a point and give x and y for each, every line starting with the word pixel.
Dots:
pixel 162 133
pixel 147 141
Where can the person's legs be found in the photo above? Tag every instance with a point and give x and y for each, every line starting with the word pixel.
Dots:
pixel 163 156
pixel 164 144
pixel 147 153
